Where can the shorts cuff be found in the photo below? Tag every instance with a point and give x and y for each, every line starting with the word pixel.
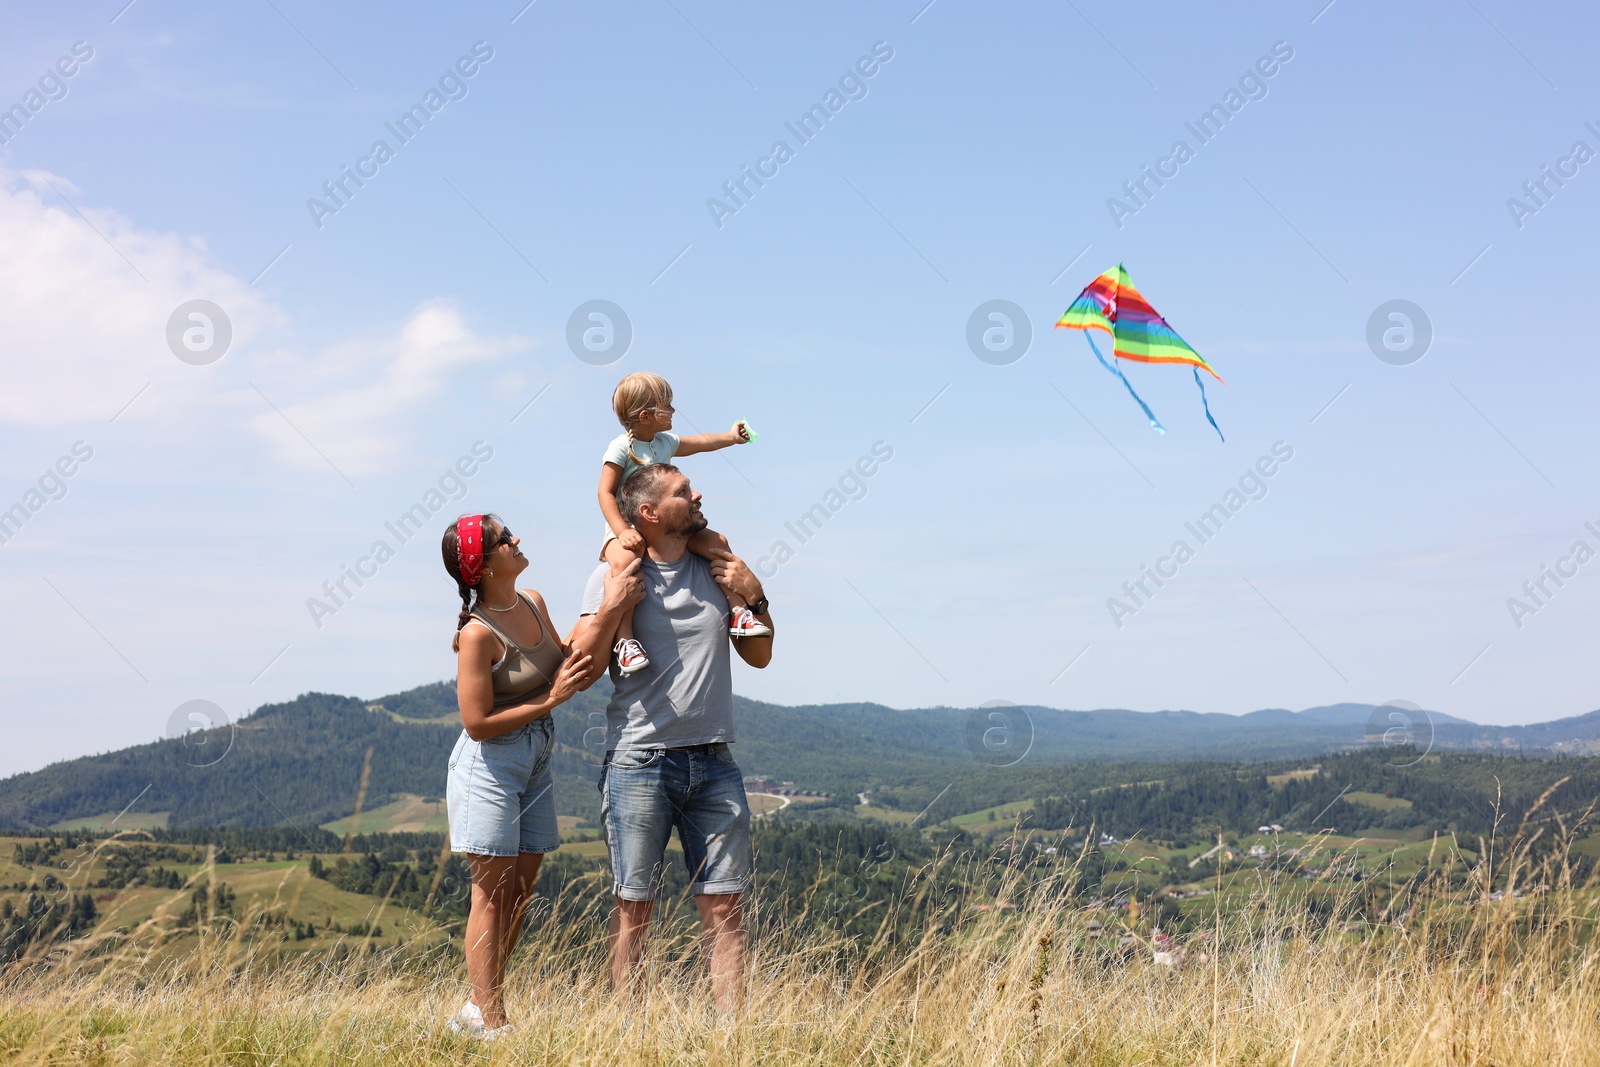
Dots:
pixel 464 851
pixel 540 851
pixel 628 892
pixel 721 887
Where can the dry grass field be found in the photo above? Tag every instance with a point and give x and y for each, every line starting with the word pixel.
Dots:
pixel 1490 963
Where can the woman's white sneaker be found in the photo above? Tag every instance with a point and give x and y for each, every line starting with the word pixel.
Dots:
pixel 469 1020
pixel 469 1023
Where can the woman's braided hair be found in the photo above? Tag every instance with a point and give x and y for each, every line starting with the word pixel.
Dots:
pixel 450 548
pixel 636 393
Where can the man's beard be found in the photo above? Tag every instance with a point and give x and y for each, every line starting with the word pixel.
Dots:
pixel 691 526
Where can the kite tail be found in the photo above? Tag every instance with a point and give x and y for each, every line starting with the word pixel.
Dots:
pixel 1207 406
pixel 1156 423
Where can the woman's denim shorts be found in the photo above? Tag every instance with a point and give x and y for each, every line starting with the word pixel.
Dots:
pixel 500 793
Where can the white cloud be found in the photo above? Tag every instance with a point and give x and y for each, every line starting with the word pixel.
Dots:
pixel 84 304
pixel 377 386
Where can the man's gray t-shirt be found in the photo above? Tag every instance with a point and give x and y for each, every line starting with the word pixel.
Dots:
pixel 685 696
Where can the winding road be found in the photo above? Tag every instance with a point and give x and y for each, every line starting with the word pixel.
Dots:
pixel 775 796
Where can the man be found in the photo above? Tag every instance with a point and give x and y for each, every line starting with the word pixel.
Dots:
pixel 668 726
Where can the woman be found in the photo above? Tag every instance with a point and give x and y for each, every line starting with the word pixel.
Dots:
pixel 511 672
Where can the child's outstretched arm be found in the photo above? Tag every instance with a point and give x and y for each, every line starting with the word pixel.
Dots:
pixel 710 442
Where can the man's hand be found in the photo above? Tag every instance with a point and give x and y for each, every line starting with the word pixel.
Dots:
pixel 624 588
pixel 731 573
pixel 741 436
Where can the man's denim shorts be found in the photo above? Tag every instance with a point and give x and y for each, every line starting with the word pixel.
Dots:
pixel 645 793
pixel 499 793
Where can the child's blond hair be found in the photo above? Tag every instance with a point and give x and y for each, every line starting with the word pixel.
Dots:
pixel 639 392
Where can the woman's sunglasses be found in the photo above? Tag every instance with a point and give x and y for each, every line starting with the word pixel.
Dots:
pixel 503 539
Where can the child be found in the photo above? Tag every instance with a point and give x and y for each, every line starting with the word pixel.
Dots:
pixel 643 403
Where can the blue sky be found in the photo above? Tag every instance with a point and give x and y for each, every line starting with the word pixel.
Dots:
pixel 370 353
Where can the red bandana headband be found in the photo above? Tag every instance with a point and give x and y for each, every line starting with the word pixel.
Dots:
pixel 469 548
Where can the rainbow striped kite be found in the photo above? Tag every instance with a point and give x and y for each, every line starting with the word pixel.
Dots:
pixel 1112 304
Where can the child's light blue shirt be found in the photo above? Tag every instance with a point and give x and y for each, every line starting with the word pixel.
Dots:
pixel 659 449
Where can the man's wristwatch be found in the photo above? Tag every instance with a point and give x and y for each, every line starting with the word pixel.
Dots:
pixel 760 606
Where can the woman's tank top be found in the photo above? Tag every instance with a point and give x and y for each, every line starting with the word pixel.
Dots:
pixel 523 673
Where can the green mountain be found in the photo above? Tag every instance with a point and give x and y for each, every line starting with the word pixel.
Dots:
pixel 302 763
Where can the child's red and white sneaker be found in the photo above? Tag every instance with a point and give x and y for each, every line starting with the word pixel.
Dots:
pixel 630 656
pixel 745 624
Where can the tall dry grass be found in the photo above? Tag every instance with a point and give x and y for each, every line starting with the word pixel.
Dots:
pixel 1288 971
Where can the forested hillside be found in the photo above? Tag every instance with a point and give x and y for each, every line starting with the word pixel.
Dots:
pixel 1461 794
pixel 302 762
pixel 299 762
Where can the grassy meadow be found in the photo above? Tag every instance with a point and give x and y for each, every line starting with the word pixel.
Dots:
pixel 1438 956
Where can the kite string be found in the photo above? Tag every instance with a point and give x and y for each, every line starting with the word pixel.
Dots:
pixel 1207 406
pixel 1088 336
